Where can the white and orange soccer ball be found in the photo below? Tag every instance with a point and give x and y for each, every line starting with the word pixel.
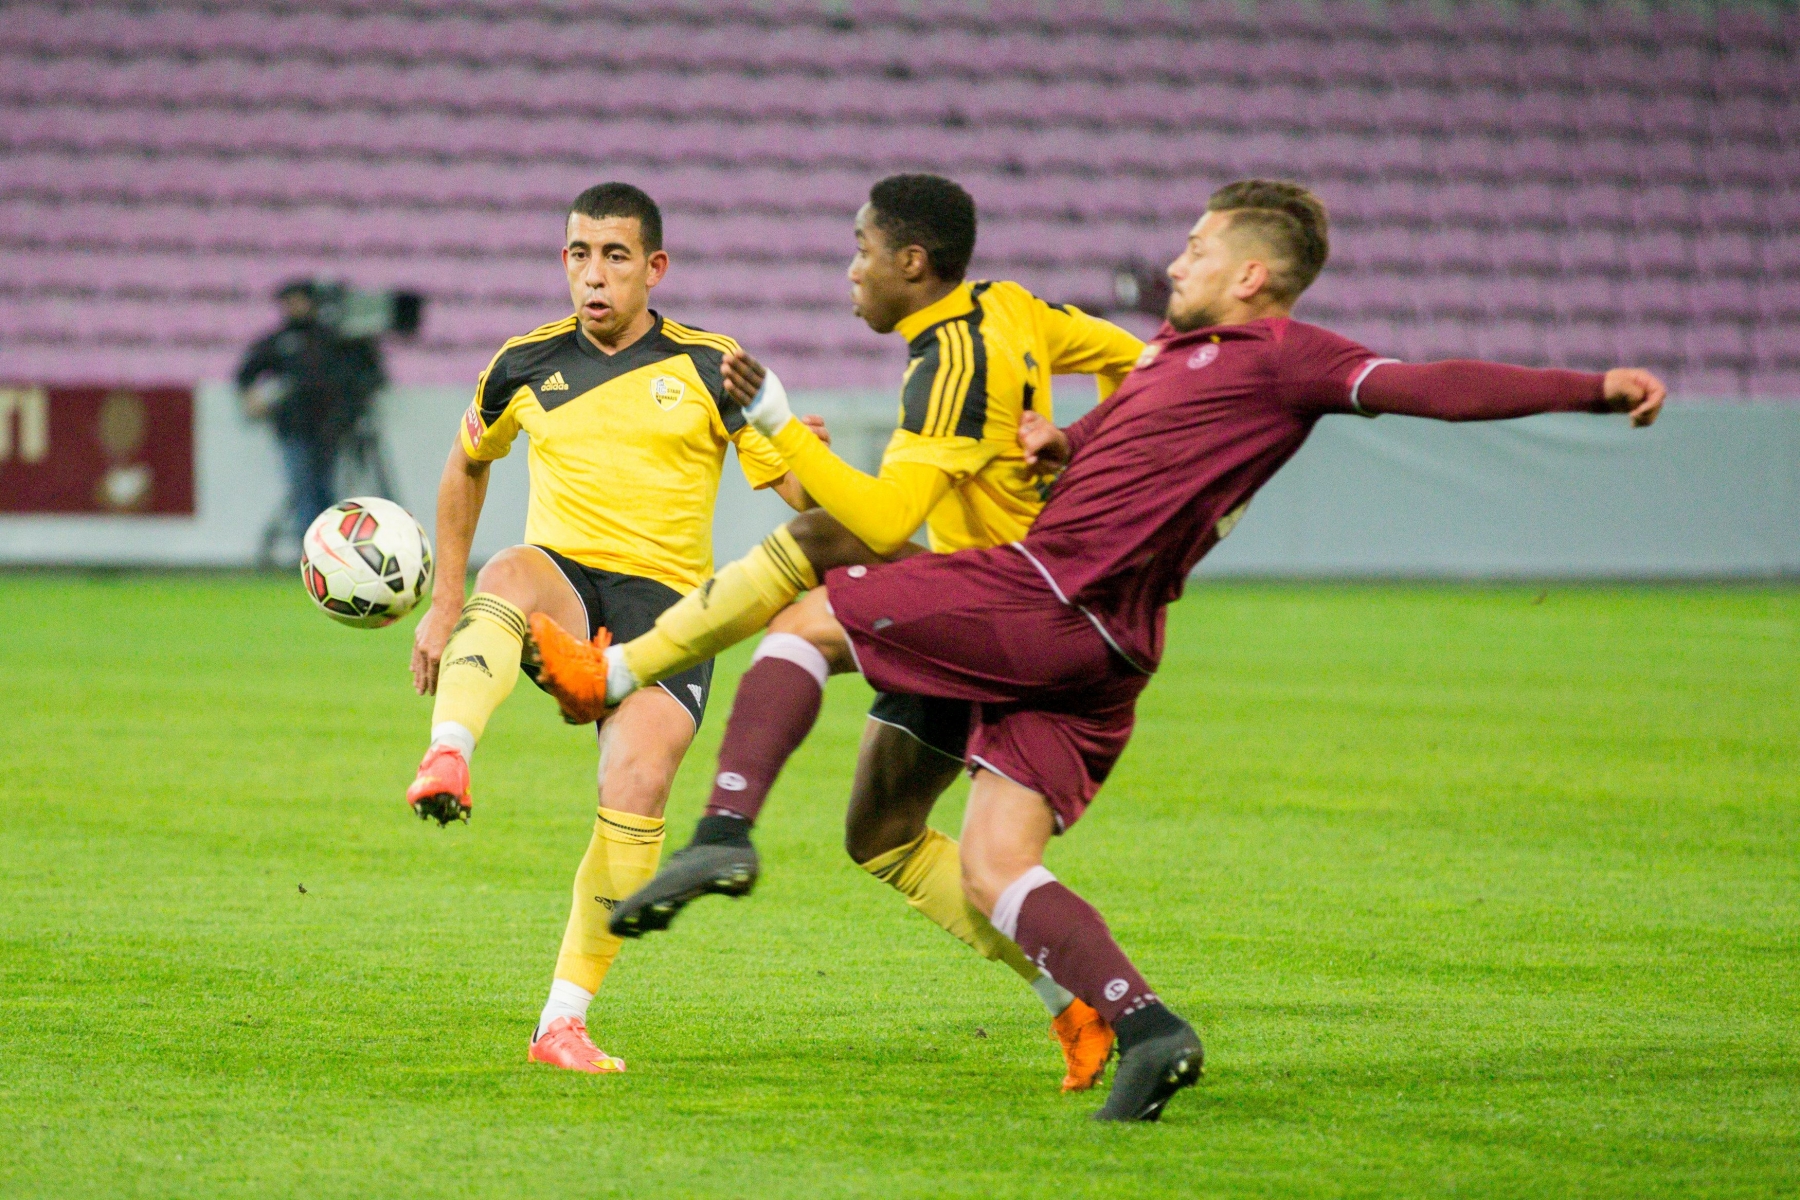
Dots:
pixel 365 561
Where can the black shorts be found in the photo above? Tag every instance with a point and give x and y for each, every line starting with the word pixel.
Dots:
pixel 942 725
pixel 628 605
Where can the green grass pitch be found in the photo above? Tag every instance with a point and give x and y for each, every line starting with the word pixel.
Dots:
pixel 1471 891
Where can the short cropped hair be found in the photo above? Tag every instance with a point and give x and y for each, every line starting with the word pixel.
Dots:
pixel 1289 220
pixel 931 212
pixel 623 200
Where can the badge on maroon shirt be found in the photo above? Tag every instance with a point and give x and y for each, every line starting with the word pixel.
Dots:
pixel 1204 356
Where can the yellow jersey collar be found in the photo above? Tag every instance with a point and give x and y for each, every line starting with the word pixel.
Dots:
pixel 955 304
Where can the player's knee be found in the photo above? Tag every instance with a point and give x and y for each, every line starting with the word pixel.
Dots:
pixel 981 886
pixel 977 875
pixel 870 831
pixel 826 543
pixel 812 621
pixel 987 871
pixel 636 784
pixel 860 840
pixel 510 575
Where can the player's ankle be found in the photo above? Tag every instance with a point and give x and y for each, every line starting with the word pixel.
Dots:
pixel 567 999
pixel 1055 996
pixel 456 736
pixel 620 682
pixel 722 829
pixel 1151 1021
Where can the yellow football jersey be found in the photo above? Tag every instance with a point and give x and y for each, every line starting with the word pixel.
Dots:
pixel 626 448
pixel 978 359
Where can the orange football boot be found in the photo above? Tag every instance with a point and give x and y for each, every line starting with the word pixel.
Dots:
pixel 566 1044
pixel 572 670
pixel 1087 1042
pixel 442 787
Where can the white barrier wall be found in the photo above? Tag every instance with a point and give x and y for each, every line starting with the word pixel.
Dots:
pixel 1711 491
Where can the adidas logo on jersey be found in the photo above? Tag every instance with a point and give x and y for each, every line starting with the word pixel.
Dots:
pixel 556 383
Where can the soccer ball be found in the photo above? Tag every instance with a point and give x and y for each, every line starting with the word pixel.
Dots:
pixel 365 561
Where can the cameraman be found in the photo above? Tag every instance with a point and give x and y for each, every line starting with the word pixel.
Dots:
pixel 316 385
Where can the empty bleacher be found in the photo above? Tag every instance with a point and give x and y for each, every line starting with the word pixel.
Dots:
pixel 1553 183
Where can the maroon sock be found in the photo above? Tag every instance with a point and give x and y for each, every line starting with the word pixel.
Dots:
pixel 776 704
pixel 1065 936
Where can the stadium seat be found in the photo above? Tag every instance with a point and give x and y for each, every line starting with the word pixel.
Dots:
pixel 1494 172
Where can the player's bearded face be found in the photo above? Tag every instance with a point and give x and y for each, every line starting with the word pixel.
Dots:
pixel 1200 278
pixel 610 274
pixel 877 292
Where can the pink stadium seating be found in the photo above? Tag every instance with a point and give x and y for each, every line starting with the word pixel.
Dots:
pixel 1546 182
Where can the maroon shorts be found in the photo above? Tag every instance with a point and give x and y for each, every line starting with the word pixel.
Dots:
pixel 1053 705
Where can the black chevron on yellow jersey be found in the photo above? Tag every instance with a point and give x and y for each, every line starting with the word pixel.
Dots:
pixel 557 354
pixel 625 448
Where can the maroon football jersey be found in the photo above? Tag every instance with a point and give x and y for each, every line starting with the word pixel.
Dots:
pixel 1162 471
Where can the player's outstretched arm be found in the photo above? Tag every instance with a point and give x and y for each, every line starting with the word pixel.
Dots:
pixel 461 492
pixel 882 511
pixel 1468 390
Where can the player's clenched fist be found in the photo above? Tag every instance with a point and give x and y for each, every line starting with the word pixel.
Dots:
pixel 1636 391
pixel 744 377
pixel 1046 447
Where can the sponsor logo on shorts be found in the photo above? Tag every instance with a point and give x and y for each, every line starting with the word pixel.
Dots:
pixel 1116 988
pixel 857 572
pixel 731 781
pixel 1205 356
pixel 699 696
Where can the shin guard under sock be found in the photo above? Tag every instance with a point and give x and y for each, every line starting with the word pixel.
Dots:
pixel 621 858
pixel 1064 934
pixel 480 663
pixel 776 704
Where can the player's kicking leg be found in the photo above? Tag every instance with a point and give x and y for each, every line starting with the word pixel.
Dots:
pixel 912 750
pixel 479 666
pixel 738 602
pixel 1003 869
pixel 641 747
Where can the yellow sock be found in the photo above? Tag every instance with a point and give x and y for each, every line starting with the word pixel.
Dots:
pixel 620 859
pixel 736 602
pixel 480 663
pixel 928 873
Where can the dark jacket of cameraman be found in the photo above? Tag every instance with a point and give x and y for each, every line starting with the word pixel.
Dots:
pixel 327 380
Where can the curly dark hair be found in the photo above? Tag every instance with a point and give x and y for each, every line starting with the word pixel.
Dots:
pixel 931 212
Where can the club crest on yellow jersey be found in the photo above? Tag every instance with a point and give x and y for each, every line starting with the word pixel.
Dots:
pixel 667 391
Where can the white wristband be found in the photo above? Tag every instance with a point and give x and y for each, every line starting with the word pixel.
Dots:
pixel 769 411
